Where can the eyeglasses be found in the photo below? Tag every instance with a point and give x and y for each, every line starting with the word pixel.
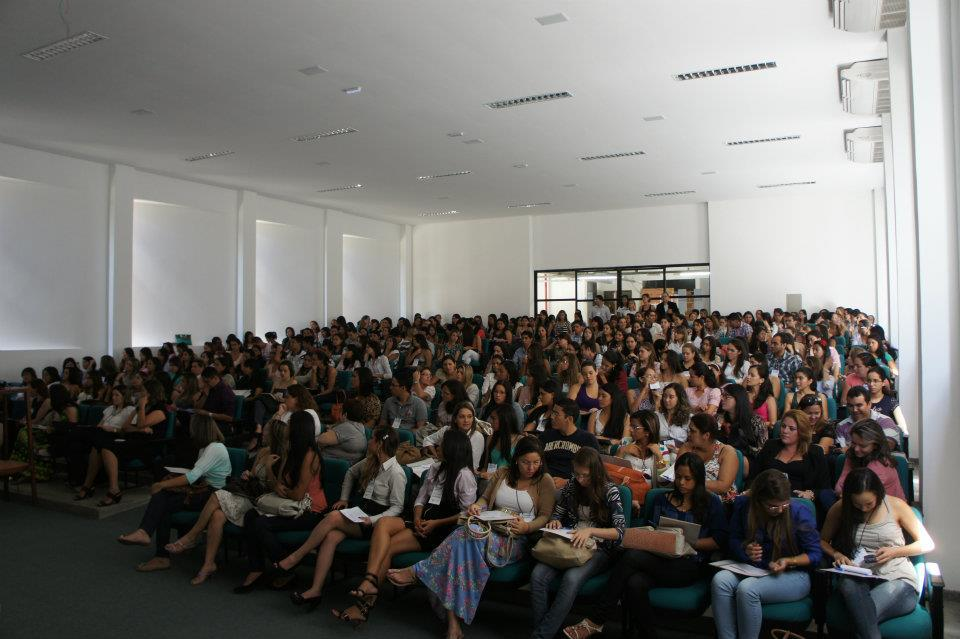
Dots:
pixel 777 508
pixel 581 475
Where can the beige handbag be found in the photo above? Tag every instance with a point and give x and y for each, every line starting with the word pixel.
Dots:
pixel 558 552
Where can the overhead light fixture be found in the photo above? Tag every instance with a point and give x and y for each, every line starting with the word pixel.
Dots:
pixel 142 112
pixel 782 138
pixel 314 70
pixel 712 73
pixel 455 134
pixel 331 189
pixel 528 205
pixel 442 175
pixel 530 99
pixel 553 18
pixel 473 141
pixel 207 156
pixel 352 90
pixel 597 278
pixel 438 213
pixel 322 163
pixel 520 165
pixel 708 173
pixel 782 184
pixel 653 118
pixel 610 156
pixel 674 275
pixel 310 137
pixel 60 47
pixel 569 186
pixel 443 197
pixel 668 193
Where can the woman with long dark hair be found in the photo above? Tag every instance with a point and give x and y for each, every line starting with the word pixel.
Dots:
pixel 736 366
pixel 449 487
pixel 742 427
pixel 703 393
pixel 870 448
pixel 760 391
pixel 591 505
pixel 637 571
pixel 673 413
pixel 868 528
pixel 500 445
pixel 769 531
pixel 611 422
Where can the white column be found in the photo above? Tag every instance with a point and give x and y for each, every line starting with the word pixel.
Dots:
pixel 246 262
pixel 881 259
pixel 935 142
pixel 122 188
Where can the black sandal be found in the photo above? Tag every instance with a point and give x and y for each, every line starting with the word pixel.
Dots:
pixel 363 606
pixel 370 578
pixel 311 602
pixel 85 493
pixel 110 499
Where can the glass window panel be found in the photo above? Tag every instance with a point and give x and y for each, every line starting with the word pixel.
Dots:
pixel 555 307
pixel 689 280
pixel 637 282
pixel 555 285
pixel 590 283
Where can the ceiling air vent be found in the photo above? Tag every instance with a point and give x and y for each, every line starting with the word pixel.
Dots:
pixel 443 175
pixel 54 49
pixel 610 156
pixel 310 137
pixel 528 205
pixel 865 87
pixel 712 73
pixel 438 213
pixel 782 184
pixel 530 99
pixel 869 15
pixel 331 189
pixel 668 193
pixel 864 144
pixel 782 138
pixel 207 156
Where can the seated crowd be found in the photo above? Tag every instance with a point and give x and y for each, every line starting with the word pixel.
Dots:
pixel 540 417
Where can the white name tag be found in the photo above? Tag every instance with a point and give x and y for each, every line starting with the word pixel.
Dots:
pixel 436 495
pixel 396 423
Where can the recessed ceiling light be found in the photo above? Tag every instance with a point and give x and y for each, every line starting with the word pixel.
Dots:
pixel 571 185
pixel 346 187
pixel 528 205
pixel 352 90
pixel 59 47
pixel 309 137
pixel 668 193
pixel 207 156
pixel 777 186
pixel 609 156
pixel 711 73
pixel 653 118
pixel 443 175
pixel 553 18
pixel 473 141
pixel 142 112
pixel 530 99
pixel 455 134
pixel 782 138
pixel 322 163
pixel 520 165
pixel 708 173
pixel 314 70
pixel 438 213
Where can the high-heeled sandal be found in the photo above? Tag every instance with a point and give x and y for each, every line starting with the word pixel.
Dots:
pixel 202 576
pixel 363 606
pixel 310 602
pixel 110 499
pixel 370 578
pixel 84 493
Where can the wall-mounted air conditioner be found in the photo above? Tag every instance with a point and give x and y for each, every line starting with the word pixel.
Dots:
pixel 865 87
pixel 869 15
pixel 864 144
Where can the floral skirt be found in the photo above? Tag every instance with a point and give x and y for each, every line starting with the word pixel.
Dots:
pixel 234 506
pixel 42 460
pixel 457 571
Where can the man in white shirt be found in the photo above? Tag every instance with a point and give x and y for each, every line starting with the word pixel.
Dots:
pixel 600 309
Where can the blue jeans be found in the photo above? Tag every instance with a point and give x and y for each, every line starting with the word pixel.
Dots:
pixel 737 599
pixel 871 602
pixel 547 619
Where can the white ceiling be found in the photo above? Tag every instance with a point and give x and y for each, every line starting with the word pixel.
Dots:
pixel 223 74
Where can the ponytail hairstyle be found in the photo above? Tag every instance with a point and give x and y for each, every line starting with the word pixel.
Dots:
pixel 386 438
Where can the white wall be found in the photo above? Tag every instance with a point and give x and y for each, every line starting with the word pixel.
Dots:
pixel 53 256
pixel 762 249
pixel 472 267
pixel 629 237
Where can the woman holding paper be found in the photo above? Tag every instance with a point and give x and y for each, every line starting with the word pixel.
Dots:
pixel 591 506
pixel 457 571
pixel 637 571
pixel 866 529
pixel 449 487
pixel 381 483
pixel 769 532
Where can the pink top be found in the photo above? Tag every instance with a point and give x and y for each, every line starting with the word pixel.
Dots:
pixel 318 498
pixel 887 474
pixel 710 397
pixel 763 412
